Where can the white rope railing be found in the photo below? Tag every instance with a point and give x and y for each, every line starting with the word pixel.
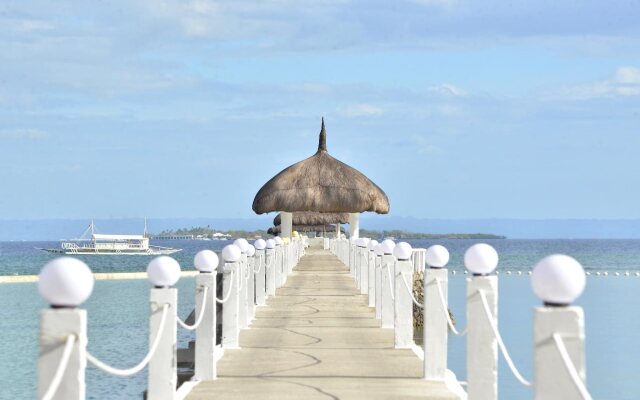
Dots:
pixel 571 368
pixel 393 297
pixel 503 348
pixel 445 309
pixel 200 317
pixel 134 370
pixel 410 291
pixel 64 361
pixel 226 298
pixel 255 271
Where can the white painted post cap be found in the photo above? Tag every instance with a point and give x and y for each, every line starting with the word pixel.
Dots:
pixel 437 256
pixel 481 259
pixel 65 282
pixel 260 244
pixel 271 244
pixel 231 253
pixel 279 241
pixel 372 244
pixel 206 261
pixel 402 251
pixel 558 280
pixel 163 271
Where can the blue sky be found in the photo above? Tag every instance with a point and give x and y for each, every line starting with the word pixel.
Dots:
pixel 457 109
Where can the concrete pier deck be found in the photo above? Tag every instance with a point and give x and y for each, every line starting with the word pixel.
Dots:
pixel 318 339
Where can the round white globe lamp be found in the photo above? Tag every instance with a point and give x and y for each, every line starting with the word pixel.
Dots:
pixel 163 271
pixel 271 244
pixel 558 280
pixel 481 259
pixel 387 246
pixel 260 244
pixel 372 245
pixel 242 244
pixel 251 251
pixel 65 282
pixel 231 253
pixel 206 261
pixel 402 251
pixel 379 250
pixel 279 241
pixel 437 256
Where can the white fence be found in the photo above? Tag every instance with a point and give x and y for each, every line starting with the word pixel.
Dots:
pixel 250 275
pixel 559 362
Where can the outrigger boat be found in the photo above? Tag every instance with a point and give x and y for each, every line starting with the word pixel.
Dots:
pixel 92 243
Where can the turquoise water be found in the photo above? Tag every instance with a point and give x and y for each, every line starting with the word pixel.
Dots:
pixel 118 312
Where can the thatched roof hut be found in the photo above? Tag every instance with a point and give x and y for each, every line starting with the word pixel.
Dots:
pixel 314 218
pixel 322 184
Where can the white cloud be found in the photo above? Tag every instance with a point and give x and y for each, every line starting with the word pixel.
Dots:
pixel 33 134
pixel 448 90
pixel 629 75
pixel 361 110
pixel 624 82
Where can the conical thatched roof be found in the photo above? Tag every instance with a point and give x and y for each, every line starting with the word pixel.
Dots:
pixel 315 218
pixel 322 184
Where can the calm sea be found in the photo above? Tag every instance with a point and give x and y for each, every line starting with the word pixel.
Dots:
pixel 118 314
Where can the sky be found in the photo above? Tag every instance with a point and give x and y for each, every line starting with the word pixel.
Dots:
pixel 456 108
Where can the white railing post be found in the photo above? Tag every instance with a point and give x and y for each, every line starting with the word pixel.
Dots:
pixel 403 303
pixel 352 259
pixel 482 347
pixel 163 367
pixel 435 310
pixel 251 288
pixel 260 278
pixel 371 273
pixel 418 259
pixel 278 265
pixel 205 362
pixel 206 261
pixel 552 381
pixel 270 270
pixel 435 324
pixel 243 315
pixel 364 265
pixel 231 308
pixel 378 291
pixel 558 330
pixel 64 283
pixel 388 290
pixel 56 324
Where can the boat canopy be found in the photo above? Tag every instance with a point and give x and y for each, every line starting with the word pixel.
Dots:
pixel 99 236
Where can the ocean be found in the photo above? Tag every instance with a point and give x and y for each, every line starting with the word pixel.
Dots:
pixel 118 313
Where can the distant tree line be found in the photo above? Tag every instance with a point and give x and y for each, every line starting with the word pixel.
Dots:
pixel 208 231
pixel 400 234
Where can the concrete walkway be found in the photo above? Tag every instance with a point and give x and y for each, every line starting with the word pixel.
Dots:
pixel 318 339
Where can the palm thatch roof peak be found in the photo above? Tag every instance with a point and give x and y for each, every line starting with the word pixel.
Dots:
pixel 321 183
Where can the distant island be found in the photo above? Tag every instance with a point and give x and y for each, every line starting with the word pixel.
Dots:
pixel 400 234
pixel 207 232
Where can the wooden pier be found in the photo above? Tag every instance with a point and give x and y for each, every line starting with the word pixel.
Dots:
pixel 318 339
